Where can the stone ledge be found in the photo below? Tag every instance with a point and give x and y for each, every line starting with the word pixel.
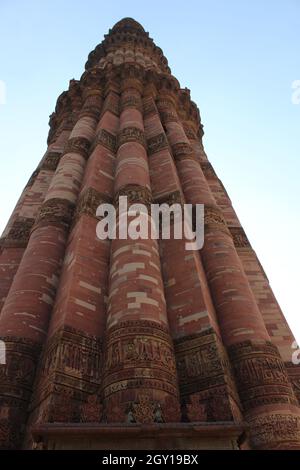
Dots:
pixel 221 435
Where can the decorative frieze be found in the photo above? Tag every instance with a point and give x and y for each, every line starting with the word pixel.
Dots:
pixel 107 139
pixel 79 145
pixel 183 150
pixel 55 211
pixel 130 100
pixel 93 102
pixel 239 237
pixel 19 232
pixel 139 356
pixel 260 375
pixel 112 105
pixel 275 431
pixel 294 375
pixel 92 409
pixel 16 380
pixel 135 195
pixel 88 202
pixel 75 353
pixel 175 197
pixel 51 161
pixel 92 111
pixel 131 134
pixel 168 116
pixel 149 108
pixel 196 411
pixel 144 410
pixel 214 219
pixel 157 143
pixel 205 378
pixel 189 132
pixel 71 367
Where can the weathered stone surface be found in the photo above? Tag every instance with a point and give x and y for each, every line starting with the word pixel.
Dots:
pixel 136 340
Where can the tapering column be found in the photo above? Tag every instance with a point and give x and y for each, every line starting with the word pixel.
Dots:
pixel 258 367
pixel 25 315
pixel 70 374
pixel 207 389
pixel 140 383
pixel 276 324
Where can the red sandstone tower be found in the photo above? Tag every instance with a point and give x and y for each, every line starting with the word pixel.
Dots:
pixel 136 343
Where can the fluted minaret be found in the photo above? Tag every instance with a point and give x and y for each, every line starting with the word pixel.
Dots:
pixel 181 348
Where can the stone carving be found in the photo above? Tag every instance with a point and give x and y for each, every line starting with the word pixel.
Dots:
pixel 168 116
pixel 135 194
pixel 195 410
pixel 55 211
pixel 189 132
pixel 275 431
pixel 204 372
pixel 166 102
pixel 260 374
pixel 92 111
pixel 16 380
pixel 51 161
pixel 294 376
pixel 144 409
pixel 115 411
pixel 219 407
pixel 147 411
pixel 111 104
pixel 61 409
pixel 139 355
pixel 19 232
pixel 91 410
pixel 175 197
pixel 139 349
pixel 107 139
pixel 132 78
pixel 214 219
pixel 149 108
pixel 79 145
pixel 68 376
pixel 19 370
pixel 183 150
pixel 73 352
pixel 157 143
pixel 171 411
pixel 93 102
pixel 88 202
pixel 240 239
pixel 131 134
pixel 131 101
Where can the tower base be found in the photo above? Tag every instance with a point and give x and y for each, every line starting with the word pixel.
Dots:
pixel 169 436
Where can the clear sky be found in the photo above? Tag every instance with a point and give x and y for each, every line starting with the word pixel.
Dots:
pixel 238 57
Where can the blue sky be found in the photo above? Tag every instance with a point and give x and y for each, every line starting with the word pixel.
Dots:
pixel 238 57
